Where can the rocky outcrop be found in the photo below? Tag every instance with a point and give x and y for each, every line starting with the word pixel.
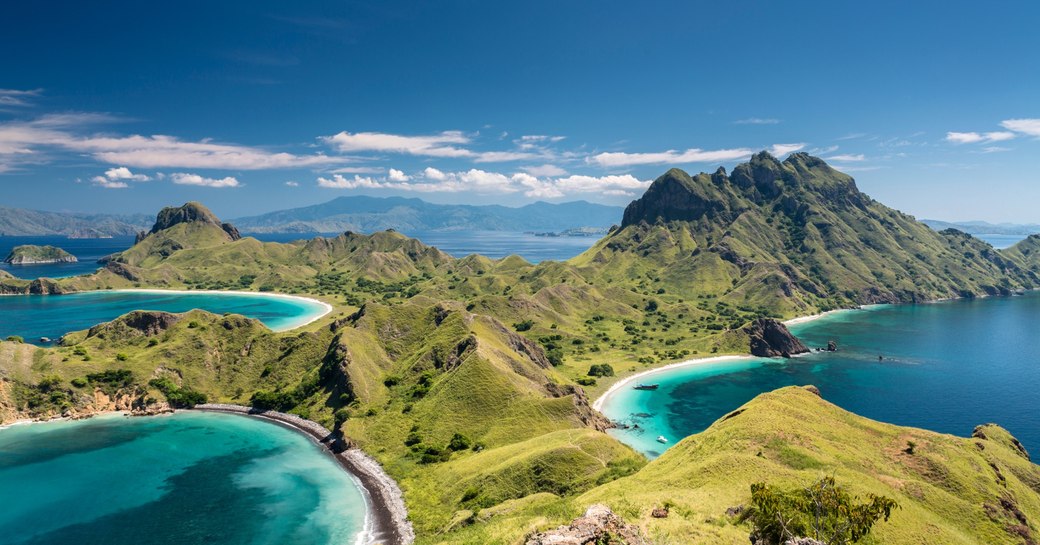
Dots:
pixel 769 339
pixel 598 525
pixel 587 415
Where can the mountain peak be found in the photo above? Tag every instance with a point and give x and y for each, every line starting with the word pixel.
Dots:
pixel 191 212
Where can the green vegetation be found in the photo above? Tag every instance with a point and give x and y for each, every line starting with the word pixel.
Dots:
pixel 464 377
pixel 28 253
pixel 823 511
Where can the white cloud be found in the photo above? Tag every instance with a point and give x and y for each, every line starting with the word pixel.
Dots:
pixel 291 183
pixel 502 156
pixel 338 181
pixel 757 121
pixel 994 149
pixel 116 178
pixel 434 174
pixel 615 159
pixel 357 170
pixel 194 179
pixel 17 97
pixel 1026 126
pixel 853 157
pixel 438 145
pixel 544 170
pixel 974 137
pixel 398 176
pixel 779 150
pixel 123 173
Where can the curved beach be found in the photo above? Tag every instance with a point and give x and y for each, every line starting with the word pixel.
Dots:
pixel 326 307
pixel 387 518
pixel 602 400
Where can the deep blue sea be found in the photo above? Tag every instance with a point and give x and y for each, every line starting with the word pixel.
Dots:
pixel 947 367
pixel 183 479
pixel 34 316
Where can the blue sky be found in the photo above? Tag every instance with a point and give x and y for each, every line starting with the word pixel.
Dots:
pixel 255 106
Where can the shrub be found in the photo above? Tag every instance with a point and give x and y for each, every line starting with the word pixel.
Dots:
pixel 586 381
pixel 121 356
pixel 180 397
pixel 555 357
pixel 79 382
pixel 910 447
pixel 458 442
pixel 823 511
pixel 525 325
pixel 15 339
pixel 601 370
pixel 651 306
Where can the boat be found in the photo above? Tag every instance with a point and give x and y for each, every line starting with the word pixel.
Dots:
pixel 642 386
pixel 661 439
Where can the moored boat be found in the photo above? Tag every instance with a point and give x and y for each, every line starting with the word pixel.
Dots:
pixel 642 386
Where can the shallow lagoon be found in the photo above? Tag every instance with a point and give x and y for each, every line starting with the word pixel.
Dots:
pixel 947 367
pixel 185 479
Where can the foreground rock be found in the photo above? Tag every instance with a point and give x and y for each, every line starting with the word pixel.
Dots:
pixel 770 338
pixel 598 525
pixel 28 254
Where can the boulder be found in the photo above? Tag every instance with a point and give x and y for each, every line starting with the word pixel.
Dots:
pixel 598 525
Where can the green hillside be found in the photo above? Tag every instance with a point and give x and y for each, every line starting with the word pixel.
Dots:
pixel 470 379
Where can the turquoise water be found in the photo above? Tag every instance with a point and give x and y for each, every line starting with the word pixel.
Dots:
pixel 35 316
pixel 183 479
pixel 947 367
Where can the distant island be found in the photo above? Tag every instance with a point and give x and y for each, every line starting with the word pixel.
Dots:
pixel 21 222
pixel 575 232
pixel 985 228
pixel 28 254
pixel 370 214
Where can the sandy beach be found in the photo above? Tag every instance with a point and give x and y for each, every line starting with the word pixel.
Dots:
pixel 602 400
pixel 387 519
pixel 327 308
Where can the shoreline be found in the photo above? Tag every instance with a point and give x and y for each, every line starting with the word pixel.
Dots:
pixel 601 401
pixel 387 517
pixel 327 308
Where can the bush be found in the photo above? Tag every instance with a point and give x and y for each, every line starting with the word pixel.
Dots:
pixel 823 511
pixel 79 382
pixel 555 357
pixel 525 325
pixel 122 356
pixel 586 381
pixel 601 370
pixel 458 442
pixel 272 401
pixel 179 397
pixel 15 339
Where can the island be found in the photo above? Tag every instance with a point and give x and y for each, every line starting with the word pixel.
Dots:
pixel 29 254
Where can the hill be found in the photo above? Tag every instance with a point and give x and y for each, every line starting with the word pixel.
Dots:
pixel 16 222
pixel 792 237
pixel 369 214
pixel 28 254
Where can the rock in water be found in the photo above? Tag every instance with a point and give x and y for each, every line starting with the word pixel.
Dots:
pixel 770 338
pixel 598 525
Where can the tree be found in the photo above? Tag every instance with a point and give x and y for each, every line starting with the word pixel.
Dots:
pixel 823 511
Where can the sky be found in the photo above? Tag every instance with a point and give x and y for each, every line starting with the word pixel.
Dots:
pixel 253 106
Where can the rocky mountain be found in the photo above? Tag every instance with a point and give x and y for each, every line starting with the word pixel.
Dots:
pixel 791 237
pixel 16 222
pixel 369 214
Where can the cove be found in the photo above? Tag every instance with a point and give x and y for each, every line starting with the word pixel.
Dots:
pixel 947 367
pixel 187 478
pixel 36 316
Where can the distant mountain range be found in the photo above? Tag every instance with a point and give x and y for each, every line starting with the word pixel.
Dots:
pixel 370 214
pixel 985 228
pixel 16 222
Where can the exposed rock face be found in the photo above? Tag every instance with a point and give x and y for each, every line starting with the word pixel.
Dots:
pixel 598 525
pixel 28 254
pixel 586 414
pixel 191 212
pixel 770 338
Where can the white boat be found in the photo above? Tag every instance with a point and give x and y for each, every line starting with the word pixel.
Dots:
pixel 661 439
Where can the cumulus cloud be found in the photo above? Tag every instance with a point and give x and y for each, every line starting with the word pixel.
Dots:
pixel 292 183
pixel 182 178
pixel 779 150
pixel 116 178
pixel 1025 126
pixel 695 155
pixel 544 170
pixel 480 181
pixel 974 137
pixel 398 176
pixel 438 145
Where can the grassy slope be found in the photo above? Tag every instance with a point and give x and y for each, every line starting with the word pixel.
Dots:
pixel 950 490
pixel 433 353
